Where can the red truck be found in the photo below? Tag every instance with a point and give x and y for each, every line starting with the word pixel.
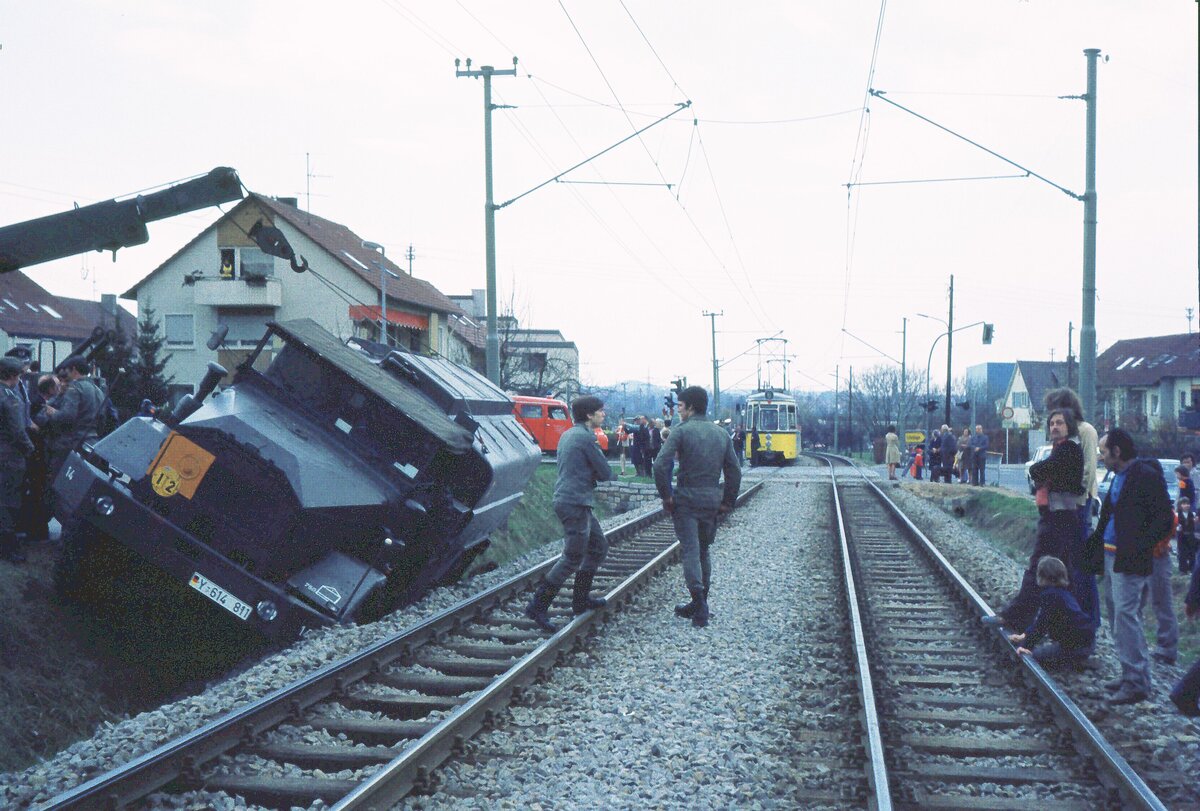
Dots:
pixel 547 419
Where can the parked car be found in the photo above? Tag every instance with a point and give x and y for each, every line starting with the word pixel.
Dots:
pixel 1038 455
pixel 1168 465
pixel 546 419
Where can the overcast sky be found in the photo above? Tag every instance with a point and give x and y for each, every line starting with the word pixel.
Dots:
pixel 107 98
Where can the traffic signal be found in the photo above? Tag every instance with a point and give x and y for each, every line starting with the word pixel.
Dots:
pixel 669 402
pixel 930 405
pixel 988 329
pixel 679 383
pixel 965 406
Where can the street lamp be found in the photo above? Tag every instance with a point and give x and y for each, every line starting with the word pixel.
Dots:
pixel 383 274
pixel 929 361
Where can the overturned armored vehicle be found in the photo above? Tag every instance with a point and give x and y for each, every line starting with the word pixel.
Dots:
pixel 330 488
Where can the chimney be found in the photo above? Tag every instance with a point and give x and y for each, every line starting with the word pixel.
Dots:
pixel 108 303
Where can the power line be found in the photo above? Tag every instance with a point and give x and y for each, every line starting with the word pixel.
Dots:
pixel 678 202
pixel 858 160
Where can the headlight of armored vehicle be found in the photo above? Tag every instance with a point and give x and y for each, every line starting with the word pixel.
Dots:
pixel 104 505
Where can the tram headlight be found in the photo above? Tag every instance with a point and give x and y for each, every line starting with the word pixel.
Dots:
pixel 104 505
pixel 266 610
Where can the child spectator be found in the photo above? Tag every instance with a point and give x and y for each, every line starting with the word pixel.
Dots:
pixel 918 462
pixel 1186 694
pixel 1071 632
pixel 1185 545
pixel 1187 488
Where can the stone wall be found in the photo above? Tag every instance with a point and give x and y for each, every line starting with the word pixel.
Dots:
pixel 621 497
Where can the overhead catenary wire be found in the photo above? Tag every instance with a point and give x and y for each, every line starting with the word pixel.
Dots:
pixel 858 160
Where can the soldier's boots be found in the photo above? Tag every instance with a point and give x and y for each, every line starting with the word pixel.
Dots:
pixel 539 606
pixel 700 615
pixel 581 599
pixel 10 548
pixel 686 610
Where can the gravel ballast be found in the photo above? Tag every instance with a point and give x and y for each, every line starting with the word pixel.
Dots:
pixel 655 713
pixel 114 744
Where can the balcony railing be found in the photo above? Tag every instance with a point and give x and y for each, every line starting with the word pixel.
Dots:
pixel 266 292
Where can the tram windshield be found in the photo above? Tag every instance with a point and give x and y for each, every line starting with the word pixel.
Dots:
pixel 768 418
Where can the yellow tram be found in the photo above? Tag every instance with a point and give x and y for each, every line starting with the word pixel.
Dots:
pixel 772 428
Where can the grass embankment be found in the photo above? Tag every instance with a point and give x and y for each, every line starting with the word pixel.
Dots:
pixel 52 689
pixel 1009 522
pixel 531 524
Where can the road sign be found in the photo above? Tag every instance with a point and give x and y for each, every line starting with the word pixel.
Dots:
pixel 1007 413
pixel 914 437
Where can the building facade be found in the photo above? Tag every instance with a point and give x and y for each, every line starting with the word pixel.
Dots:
pixel 223 279
pixel 1145 383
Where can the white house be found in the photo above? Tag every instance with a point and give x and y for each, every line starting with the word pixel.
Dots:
pixel 1144 381
pixel 222 278
pixel 50 325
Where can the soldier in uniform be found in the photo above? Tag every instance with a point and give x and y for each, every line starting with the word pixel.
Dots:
pixel 581 464
pixel 15 447
pixel 697 500
pixel 76 418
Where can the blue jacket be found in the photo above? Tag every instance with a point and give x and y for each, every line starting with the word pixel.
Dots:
pixel 1143 515
pixel 1060 618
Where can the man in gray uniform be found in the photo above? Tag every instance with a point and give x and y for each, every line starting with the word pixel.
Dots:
pixel 697 501
pixel 581 464
pixel 76 418
pixel 15 447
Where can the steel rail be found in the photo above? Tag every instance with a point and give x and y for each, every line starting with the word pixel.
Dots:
pixel 181 758
pixel 1123 778
pixel 396 779
pixel 877 772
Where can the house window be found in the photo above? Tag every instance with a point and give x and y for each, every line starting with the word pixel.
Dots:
pixel 1020 399
pixel 180 329
pixel 246 263
pixel 254 262
pixel 1183 400
pixel 535 362
pixel 246 327
pixel 1154 405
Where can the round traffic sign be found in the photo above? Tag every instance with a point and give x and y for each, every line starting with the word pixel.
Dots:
pixel 1008 412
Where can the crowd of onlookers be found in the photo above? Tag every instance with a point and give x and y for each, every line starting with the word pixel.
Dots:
pixel 961 458
pixel 1056 613
pixel 43 417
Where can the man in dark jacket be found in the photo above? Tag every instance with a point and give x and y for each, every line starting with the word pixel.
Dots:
pixel 641 446
pixel 15 448
pixel 581 464
pixel 697 499
pixel 1135 516
pixel 76 418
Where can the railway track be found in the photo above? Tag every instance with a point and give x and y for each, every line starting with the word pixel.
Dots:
pixel 366 731
pixel 960 722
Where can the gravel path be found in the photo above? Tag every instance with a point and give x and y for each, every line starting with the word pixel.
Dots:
pixel 658 714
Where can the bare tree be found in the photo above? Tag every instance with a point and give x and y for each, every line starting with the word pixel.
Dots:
pixel 532 371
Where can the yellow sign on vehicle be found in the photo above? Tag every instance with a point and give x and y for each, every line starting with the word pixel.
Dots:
pixel 179 467
pixel 914 437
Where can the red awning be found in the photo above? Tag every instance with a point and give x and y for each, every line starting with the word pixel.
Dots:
pixel 370 312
